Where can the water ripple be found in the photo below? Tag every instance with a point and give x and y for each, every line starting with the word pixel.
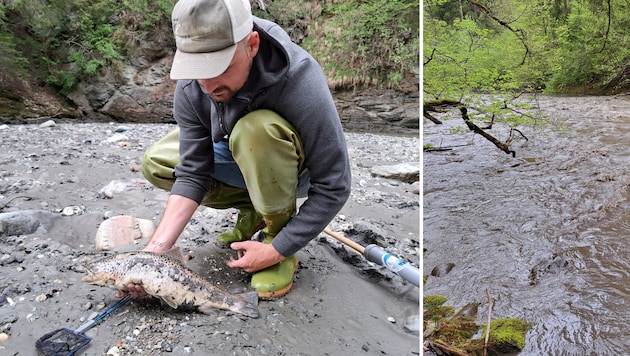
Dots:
pixel 510 224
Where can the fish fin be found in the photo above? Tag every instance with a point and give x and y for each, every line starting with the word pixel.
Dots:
pixel 176 253
pixel 208 310
pixel 247 304
pixel 170 301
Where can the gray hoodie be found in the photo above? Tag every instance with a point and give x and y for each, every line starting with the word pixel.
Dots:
pixel 287 80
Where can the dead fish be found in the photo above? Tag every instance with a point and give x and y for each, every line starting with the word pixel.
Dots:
pixel 165 276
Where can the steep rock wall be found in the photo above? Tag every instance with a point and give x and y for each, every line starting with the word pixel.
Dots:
pixel 143 93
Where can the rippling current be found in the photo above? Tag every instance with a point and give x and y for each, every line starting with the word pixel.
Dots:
pixel 546 232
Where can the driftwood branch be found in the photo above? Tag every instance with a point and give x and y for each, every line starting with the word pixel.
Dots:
pixel 431 117
pixel 502 146
pixel 449 350
pixel 437 149
pixel 512 130
pixel 490 306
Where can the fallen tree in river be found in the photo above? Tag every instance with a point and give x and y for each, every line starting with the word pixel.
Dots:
pixel 446 105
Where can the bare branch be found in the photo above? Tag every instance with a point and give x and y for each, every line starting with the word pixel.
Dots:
pixel 490 306
pixel 607 28
pixel 434 119
pixel 430 57
pixel 502 146
pixel 519 33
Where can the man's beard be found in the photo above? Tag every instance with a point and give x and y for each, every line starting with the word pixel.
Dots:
pixel 221 94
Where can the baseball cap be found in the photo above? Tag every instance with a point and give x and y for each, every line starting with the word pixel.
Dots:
pixel 206 34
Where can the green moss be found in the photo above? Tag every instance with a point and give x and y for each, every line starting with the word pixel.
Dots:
pixel 508 333
pixel 455 330
pixel 432 301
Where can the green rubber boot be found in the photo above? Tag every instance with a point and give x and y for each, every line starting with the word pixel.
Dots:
pixel 277 280
pixel 247 224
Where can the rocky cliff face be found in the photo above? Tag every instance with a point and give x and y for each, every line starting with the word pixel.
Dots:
pixel 143 92
pixel 379 111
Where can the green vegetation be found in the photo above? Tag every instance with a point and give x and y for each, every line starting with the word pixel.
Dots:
pixel 492 58
pixel 381 37
pixel 559 46
pixel 454 333
pixel 508 334
pixel 64 42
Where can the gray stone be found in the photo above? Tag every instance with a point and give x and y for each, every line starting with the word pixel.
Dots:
pixel 406 172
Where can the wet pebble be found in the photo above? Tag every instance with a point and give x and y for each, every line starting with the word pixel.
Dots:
pixel 122 128
pixel 6 259
pixel 115 138
pixel 49 123
pixel 113 351
pixel 72 210
pixel 412 324
pixel 24 222
pixel 415 187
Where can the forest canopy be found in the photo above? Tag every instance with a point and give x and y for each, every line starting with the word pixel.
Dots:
pixel 482 56
pixel 62 42
pixel 553 46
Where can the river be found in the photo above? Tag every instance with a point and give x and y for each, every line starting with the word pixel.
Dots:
pixel 546 232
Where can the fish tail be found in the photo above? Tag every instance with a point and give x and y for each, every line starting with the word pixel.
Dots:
pixel 247 304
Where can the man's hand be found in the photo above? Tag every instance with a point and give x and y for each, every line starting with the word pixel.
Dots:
pixel 253 256
pixel 135 290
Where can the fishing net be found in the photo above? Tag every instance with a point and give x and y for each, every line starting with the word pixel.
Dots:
pixel 62 342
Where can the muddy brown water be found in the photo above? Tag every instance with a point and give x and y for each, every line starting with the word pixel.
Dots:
pixel 546 232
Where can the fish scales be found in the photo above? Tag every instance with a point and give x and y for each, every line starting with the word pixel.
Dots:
pixel 164 276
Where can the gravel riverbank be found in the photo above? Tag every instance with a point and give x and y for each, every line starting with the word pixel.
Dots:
pixel 65 179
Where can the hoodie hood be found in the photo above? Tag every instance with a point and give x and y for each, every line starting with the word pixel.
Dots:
pixel 272 61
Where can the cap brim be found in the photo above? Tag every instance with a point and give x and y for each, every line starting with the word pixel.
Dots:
pixel 201 65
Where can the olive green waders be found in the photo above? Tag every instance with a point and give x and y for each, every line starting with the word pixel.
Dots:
pixel 269 153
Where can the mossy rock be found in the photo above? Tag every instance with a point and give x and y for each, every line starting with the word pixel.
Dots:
pixel 455 331
pixel 434 311
pixel 507 335
pixel 431 301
